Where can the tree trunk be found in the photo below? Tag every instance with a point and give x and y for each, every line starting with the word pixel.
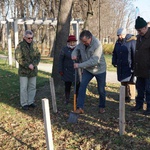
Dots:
pixel 63 28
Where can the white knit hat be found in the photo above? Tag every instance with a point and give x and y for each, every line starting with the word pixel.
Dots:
pixel 121 31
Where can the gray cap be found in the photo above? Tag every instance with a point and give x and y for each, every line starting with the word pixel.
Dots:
pixel 121 31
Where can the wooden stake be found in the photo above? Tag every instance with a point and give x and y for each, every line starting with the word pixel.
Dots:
pixel 52 88
pixel 47 124
pixel 122 110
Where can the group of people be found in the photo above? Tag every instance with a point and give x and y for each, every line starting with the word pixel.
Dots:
pixel 131 56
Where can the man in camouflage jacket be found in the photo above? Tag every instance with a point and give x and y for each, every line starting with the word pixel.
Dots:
pixel 28 57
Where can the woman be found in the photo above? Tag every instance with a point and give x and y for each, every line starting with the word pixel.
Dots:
pixel 66 69
pixel 122 58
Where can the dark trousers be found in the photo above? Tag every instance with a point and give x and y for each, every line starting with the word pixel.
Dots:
pixel 68 89
pixel 143 91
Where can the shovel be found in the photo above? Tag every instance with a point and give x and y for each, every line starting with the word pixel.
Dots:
pixel 73 117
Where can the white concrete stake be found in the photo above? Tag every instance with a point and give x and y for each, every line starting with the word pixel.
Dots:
pixel 122 110
pixel 16 37
pixel 47 124
pixel 9 43
pixel 52 88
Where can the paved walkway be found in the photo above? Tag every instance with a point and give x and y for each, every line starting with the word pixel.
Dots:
pixel 111 77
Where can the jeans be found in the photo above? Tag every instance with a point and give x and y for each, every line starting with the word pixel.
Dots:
pixel 86 78
pixel 143 91
pixel 27 90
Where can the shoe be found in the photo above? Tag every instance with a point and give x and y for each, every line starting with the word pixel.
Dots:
pixel 79 111
pixel 101 110
pixel 66 102
pixel 25 107
pixel 33 105
pixel 147 112
pixel 127 99
pixel 137 107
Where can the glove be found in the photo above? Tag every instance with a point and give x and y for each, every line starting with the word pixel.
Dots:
pixel 61 73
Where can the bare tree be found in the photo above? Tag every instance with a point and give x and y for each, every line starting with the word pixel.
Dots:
pixel 101 17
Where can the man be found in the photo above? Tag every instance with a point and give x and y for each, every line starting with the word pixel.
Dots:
pixel 28 57
pixel 122 58
pixel 142 65
pixel 93 65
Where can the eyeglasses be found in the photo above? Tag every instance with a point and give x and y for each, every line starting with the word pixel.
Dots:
pixel 30 38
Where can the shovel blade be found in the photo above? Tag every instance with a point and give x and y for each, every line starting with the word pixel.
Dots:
pixel 73 117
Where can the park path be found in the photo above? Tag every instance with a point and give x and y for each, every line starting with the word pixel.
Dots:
pixel 111 77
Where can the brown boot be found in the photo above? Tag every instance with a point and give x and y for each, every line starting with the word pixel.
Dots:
pixel 79 111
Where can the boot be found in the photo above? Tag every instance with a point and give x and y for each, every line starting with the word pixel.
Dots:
pixel 136 108
pixel 127 99
pixel 66 101
pixel 67 96
pixel 146 112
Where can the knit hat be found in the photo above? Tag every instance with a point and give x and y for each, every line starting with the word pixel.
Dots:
pixel 121 31
pixel 71 38
pixel 140 23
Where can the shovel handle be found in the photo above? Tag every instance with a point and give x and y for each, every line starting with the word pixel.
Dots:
pixel 74 102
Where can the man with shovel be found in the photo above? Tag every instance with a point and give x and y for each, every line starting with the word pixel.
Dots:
pixel 93 65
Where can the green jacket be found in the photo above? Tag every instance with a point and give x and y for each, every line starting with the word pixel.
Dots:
pixel 26 55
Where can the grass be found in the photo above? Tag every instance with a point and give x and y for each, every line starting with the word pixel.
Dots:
pixel 24 130
pixel 108 59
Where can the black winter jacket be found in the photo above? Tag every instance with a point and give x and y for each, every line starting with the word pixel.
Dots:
pixel 66 65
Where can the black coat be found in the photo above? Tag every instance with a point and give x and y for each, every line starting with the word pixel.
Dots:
pixel 66 65
pixel 142 56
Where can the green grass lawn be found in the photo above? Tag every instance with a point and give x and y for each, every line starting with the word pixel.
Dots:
pixel 110 67
pixel 24 130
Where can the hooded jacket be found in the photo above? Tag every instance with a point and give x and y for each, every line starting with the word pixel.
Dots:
pixel 92 57
pixel 123 57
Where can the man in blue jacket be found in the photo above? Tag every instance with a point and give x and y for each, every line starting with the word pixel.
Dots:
pixel 93 65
